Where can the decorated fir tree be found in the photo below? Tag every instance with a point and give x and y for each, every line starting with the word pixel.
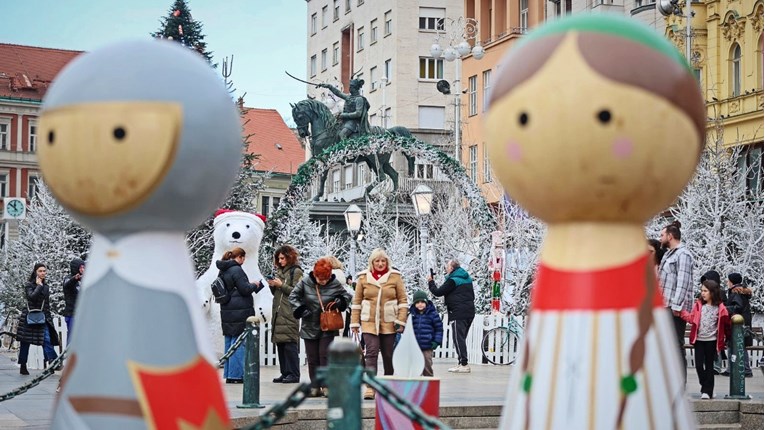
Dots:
pixel 47 235
pixel 179 26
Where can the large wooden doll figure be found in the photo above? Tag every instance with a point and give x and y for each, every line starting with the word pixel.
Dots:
pixel 596 123
pixel 140 142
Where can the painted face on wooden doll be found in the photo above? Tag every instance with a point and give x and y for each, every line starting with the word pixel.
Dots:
pixel 594 120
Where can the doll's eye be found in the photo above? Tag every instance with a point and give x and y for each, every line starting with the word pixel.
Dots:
pixel 248 226
pixel 604 116
pixel 119 133
pixel 523 119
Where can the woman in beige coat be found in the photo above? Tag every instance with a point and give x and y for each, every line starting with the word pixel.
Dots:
pixel 379 309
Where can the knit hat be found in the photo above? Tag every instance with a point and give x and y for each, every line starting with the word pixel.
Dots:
pixel 711 275
pixel 228 214
pixel 736 278
pixel 420 296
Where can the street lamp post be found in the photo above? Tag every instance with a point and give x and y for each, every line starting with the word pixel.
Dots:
pixel 672 7
pixel 459 32
pixel 422 199
pixel 353 223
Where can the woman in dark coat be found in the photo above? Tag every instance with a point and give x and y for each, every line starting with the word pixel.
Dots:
pixel 284 326
pixel 305 303
pixel 235 310
pixel 37 294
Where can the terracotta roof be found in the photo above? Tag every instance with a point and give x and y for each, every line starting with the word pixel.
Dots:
pixel 278 147
pixel 27 71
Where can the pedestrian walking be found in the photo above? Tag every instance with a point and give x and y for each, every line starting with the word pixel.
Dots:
pixel 738 304
pixel 379 311
pixel 235 311
pixel 428 328
pixel 710 327
pixel 284 326
pixel 29 332
pixel 458 294
pixel 71 290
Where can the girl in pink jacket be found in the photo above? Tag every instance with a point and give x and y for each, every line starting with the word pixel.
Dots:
pixel 710 328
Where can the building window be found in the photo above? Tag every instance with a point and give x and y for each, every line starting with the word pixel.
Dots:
pixel 473 95
pixel 759 61
pixel 324 17
pixel 32 136
pixel 335 10
pixel 486 164
pixel 473 162
pixel 360 39
pixel 336 181
pixel 388 23
pixel 750 163
pixel 735 70
pixel 32 186
pixel 387 71
pixel 430 68
pixel 348 177
pixel 432 18
pixel 432 117
pixel 313 24
pixel 361 2
pixel 373 78
pixel 268 204
pixel 373 119
pixel 335 53
pixel 386 117
pixel 313 65
pixel 360 172
pixel 486 88
pixel 347 6
pixel 524 14
pixel 4 136
pixel 323 59
pixel 423 171
pixel 373 31
pixel 3 185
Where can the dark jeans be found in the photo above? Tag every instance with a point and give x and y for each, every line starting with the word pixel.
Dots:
pixel 680 334
pixel 705 352
pixel 289 362
pixel 316 351
pixel 49 353
pixel 460 330
pixel 379 344
pixel 69 324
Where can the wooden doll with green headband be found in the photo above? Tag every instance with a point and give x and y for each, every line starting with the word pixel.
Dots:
pixel 596 124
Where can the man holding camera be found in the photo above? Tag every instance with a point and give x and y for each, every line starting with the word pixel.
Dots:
pixel 459 297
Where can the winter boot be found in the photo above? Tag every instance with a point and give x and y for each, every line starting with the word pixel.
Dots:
pixel 24 370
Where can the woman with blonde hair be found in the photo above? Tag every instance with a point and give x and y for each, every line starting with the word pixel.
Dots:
pixel 379 310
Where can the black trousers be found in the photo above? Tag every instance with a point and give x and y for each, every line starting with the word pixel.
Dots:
pixel 316 351
pixel 680 334
pixel 289 361
pixel 705 352
pixel 460 330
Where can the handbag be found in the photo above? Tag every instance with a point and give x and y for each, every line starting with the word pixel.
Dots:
pixel 330 319
pixel 36 316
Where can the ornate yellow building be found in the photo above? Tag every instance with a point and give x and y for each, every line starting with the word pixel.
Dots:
pixel 727 55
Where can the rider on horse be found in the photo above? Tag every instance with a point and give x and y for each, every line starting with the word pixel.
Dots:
pixel 354 115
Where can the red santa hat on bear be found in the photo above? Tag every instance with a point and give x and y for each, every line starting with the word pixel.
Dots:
pixel 222 215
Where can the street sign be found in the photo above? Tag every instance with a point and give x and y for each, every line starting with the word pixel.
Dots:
pixel 14 208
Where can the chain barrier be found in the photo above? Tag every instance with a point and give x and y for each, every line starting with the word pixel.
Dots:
pixel 50 370
pixel 277 412
pixel 412 411
pixel 233 348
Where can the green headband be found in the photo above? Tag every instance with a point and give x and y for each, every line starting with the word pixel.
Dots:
pixel 612 25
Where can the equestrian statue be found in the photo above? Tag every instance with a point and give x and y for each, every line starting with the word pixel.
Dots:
pixel 326 130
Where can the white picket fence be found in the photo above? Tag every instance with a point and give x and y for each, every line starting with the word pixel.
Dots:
pixel 268 354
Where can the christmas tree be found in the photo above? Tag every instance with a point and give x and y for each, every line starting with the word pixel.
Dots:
pixel 47 235
pixel 179 26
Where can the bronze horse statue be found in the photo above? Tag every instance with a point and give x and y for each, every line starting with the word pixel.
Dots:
pixel 324 133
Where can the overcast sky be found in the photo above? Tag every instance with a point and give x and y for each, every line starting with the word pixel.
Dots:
pixel 265 37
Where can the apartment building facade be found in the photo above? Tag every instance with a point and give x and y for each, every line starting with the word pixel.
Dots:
pixel 26 72
pixel 387 44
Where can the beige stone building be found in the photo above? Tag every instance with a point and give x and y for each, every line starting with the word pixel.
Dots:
pixel 641 10
pixel 387 44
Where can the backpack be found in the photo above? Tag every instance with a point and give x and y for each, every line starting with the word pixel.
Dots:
pixel 219 291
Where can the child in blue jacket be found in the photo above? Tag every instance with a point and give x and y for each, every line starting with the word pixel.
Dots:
pixel 428 328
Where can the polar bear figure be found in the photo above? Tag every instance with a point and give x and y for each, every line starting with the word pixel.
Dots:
pixel 233 229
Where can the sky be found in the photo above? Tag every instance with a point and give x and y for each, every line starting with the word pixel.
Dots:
pixel 266 37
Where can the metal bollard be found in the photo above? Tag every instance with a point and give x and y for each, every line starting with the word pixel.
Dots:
pixel 736 361
pixel 343 376
pixel 251 386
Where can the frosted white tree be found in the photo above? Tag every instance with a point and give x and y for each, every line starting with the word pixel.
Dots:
pixel 523 240
pixel 47 235
pixel 721 218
